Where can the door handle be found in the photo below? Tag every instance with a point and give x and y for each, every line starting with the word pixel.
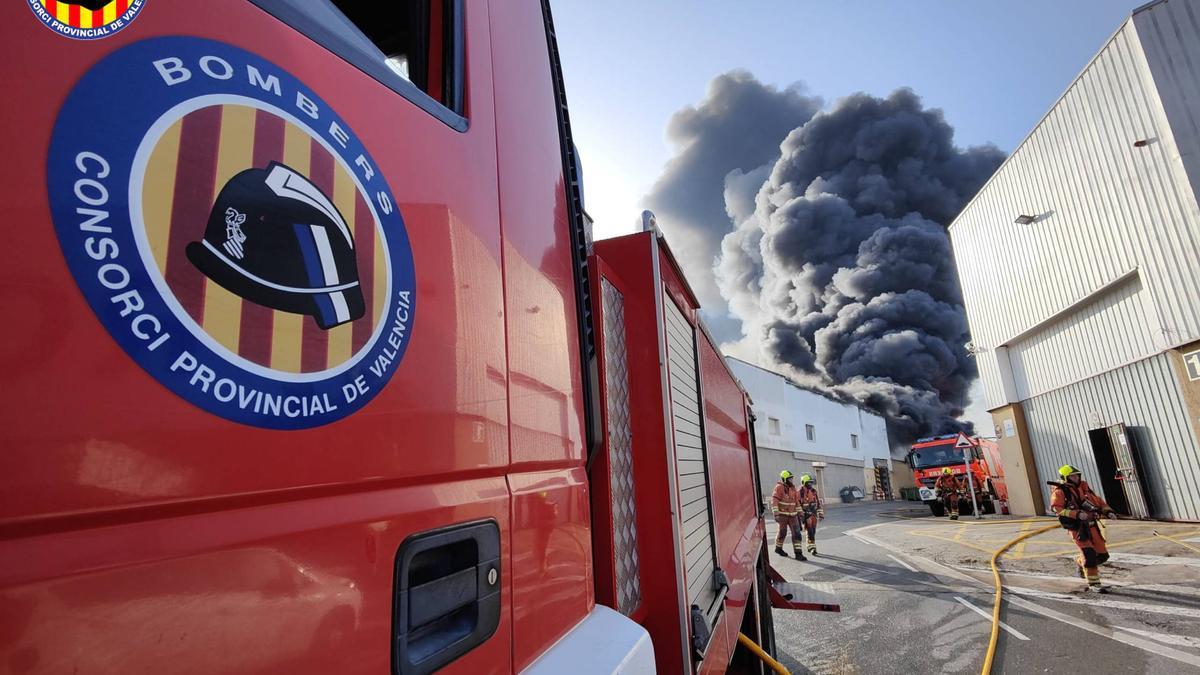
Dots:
pixel 447 595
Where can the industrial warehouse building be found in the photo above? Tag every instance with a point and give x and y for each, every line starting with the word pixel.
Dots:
pixel 802 431
pixel 1080 267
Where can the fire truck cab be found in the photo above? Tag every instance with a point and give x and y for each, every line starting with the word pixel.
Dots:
pixel 312 367
pixel 929 456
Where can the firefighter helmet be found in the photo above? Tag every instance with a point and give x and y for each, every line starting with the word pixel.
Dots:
pixel 785 474
pixel 1067 470
pixel 805 479
pixel 947 471
pixel 275 239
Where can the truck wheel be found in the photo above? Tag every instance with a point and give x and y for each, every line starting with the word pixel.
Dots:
pixel 988 507
pixel 938 508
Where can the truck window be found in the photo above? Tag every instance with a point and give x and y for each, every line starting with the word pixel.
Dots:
pixel 944 455
pixel 414 47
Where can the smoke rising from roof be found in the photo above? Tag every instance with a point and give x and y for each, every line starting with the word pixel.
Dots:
pixel 838 264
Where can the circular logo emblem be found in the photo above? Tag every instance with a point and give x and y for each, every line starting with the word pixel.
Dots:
pixel 232 233
pixel 86 19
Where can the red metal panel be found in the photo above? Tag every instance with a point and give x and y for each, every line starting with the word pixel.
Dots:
pixel 729 462
pixel 738 527
pixel 629 258
pixel 551 557
pixel 544 378
pixel 112 488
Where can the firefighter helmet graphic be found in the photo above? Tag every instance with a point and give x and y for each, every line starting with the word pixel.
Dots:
pixel 91 5
pixel 274 239
pixel 225 222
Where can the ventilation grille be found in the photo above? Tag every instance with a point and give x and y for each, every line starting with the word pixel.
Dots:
pixel 620 451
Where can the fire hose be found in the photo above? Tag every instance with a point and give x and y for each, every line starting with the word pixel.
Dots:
pixel 1173 539
pixel 765 657
pixel 995 635
pixel 991 651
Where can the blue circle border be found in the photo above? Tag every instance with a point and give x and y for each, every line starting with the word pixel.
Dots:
pixel 108 113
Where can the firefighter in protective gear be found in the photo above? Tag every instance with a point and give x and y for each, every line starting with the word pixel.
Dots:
pixel 948 487
pixel 785 504
pixel 1078 509
pixel 810 506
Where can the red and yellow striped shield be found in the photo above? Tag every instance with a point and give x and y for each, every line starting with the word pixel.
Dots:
pixel 194 157
pixel 78 16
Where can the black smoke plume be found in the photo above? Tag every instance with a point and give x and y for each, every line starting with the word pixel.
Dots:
pixel 737 126
pixel 839 265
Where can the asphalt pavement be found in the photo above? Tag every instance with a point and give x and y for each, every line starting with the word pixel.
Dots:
pixel 903 612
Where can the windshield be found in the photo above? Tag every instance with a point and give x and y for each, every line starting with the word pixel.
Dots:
pixel 938 455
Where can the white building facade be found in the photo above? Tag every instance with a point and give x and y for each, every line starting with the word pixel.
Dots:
pixel 839 444
pixel 1080 267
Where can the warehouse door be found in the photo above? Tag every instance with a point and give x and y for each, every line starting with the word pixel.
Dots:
pixel 1127 471
pixel 1106 469
pixel 1117 465
pixel 690 458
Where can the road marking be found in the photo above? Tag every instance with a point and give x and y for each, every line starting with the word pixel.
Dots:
pixel 1094 601
pixel 1124 638
pixel 1019 550
pixel 1075 581
pixel 1145 645
pixel 910 568
pixel 1143 559
pixel 1015 633
pixel 949 539
pixel 1165 638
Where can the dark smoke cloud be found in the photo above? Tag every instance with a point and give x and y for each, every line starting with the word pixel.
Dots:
pixel 737 127
pixel 839 266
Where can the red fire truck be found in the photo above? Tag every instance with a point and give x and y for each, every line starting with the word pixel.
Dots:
pixel 929 456
pixel 312 369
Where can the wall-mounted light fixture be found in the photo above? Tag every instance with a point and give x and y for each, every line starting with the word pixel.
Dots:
pixel 1024 219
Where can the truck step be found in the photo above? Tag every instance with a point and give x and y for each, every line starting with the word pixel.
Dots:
pixel 796 595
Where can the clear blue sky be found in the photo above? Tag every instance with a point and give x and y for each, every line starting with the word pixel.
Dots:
pixel 994 66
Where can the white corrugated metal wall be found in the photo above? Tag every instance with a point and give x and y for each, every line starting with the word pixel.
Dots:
pixel 1080 344
pixel 1145 397
pixel 1105 209
pixel 1074 310
pixel 1168 33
